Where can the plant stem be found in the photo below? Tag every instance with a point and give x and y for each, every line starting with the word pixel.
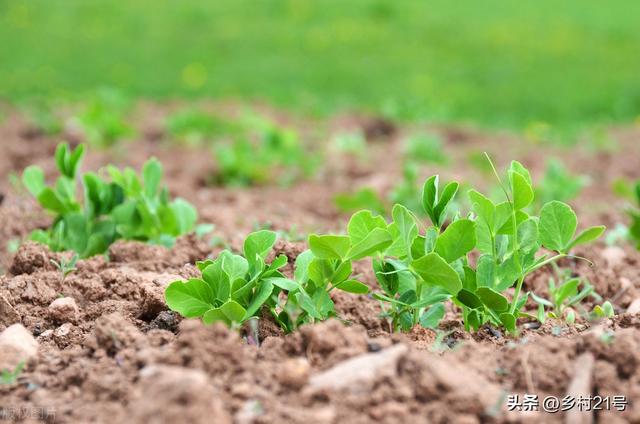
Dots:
pixel 516 295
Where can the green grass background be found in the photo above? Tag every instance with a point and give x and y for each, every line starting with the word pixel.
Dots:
pixel 495 63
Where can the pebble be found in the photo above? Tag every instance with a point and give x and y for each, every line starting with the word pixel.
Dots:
pixel 17 344
pixel 360 372
pixel 294 373
pixel 63 309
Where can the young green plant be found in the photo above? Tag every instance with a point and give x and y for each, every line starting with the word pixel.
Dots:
pixel 127 207
pixel 232 288
pixel 563 297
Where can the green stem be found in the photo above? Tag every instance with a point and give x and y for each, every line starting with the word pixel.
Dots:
pixel 516 295
pixel 544 263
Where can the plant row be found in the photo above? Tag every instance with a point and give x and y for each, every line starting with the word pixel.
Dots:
pixel 476 262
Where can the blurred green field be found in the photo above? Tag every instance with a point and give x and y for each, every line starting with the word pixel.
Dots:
pixel 494 63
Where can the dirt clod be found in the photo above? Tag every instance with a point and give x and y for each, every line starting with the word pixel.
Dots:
pixel 16 345
pixel 186 395
pixel 63 309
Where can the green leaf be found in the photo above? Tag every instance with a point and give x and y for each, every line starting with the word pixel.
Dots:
pixel 387 276
pixel 587 236
pixel 521 189
pixel 403 230
pixel 430 300
pixel 484 208
pixel 321 271
pixel 377 240
pixel 470 279
pixel 151 177
pixel 317 307
pixel 258 244
pixel 362 224
pixel 284 283
pixel 213 315
pixel 469 299
pixel 430 197
pixel 233 311
pixel 528 235
pixel 74 161
pixel 262 293
pixel 50 200
pixel 353 286
pixel 431 317
pixel 448 193
pixel 540 314
pixel 278 262
pixel 218 280
pixel 303 260
pixel 342 272
pixel 185 215
pixel 541 300
pixel 567 289
pixel 235 266
pixel 486 273
pixel 508 273
pixel 329 246
pixel 409 297
pixel 557 226
pixel 190 299
pixel 62 151
pixel 435 271
pixel 509 321
pixel 457 240
pixel 33 180
pixel 520 169
pixel 492 299
pixel 473 319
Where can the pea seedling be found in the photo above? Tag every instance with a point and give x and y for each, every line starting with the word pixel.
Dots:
pixel 274 154
pixel 426 148
pixel 194 127
pixel 102 120
pixel 421 268
pixel 562 298
pixel 233 288
pixel 559 184
pixel 66 266
pixel 9 377
pixel 126 207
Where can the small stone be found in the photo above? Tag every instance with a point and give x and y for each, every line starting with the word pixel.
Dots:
pixel 63 309
pixel 45 335
pixel 294 373
pixel 62 335
pixel 613 256
pixel 359 373
pixel 16 345
pixel 166 320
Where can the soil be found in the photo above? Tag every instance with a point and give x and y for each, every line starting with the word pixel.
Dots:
pixel 115 353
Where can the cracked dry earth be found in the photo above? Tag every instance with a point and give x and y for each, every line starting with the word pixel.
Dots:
pixel 103 347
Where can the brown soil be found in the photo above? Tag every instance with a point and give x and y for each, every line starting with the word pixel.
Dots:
pixel 119 355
